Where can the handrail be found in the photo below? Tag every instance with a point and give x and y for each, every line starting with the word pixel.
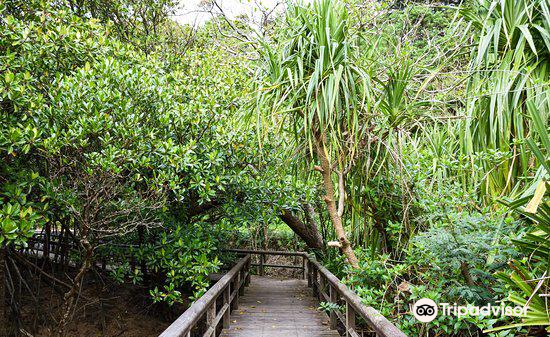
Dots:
pixel 265 252
pixel 230 286
pixel 262 260
pixel 329 288
pixel 324 284
pixel 319 278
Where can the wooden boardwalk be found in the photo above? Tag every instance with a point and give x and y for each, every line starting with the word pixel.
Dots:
pixel 278 308
pixel 271 307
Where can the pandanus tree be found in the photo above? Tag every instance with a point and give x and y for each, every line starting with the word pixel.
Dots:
pixel 314 87
pixel 509 75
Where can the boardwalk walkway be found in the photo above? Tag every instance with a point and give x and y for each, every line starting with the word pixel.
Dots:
pixel 240 304
pixel 244 305
pixel 278 308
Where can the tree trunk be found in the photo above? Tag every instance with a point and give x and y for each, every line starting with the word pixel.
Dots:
pixel 265 230
pixel 379 226
pixel 465 270
pixel 310 235
pixel 69 298
pixel 335 217
pixel 3 307
pixel 143 264
pixel 312 225
pixel 47 241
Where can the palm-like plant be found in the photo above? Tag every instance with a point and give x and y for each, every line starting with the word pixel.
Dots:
pixel 510 70
pixel 531 285
pixel 315 84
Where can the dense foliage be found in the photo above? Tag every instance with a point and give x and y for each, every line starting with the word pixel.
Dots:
pixel 414 134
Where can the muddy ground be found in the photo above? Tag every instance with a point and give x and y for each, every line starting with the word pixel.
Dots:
pixel 104 309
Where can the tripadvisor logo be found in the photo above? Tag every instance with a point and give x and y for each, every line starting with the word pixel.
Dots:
pixel 425 310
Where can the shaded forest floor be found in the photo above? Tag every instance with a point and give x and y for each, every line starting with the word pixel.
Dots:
pixel 104 309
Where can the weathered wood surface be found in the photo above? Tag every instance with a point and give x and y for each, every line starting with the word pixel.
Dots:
pixel 262 254
pixel 327 287
pixel 278 308
pixel 229 286
pixel 320 278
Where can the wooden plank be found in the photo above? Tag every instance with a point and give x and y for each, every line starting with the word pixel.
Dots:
pixel 333 294
pixel 181 326
pixel 350 321
pixel 265 252
pixel 267 265
pixel 227 302
pixel 278 308
pixel 216 320
pixel 374 319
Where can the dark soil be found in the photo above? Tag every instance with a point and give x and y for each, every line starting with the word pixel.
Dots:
pixel 104 309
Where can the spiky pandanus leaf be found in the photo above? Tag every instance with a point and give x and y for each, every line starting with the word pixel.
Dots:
pixel 511 74
pixel 530 284
pixel 313 87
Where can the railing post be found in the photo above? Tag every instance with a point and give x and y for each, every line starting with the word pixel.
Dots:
pixel 211 316
pixel 226 301
pixel 237 291
pixel 350 319
pixel 247 280
pixel 309 267
pixel 314 281
pixel 241 282
pixel 303 267
pixel 321 288
pixel 333 299
pixel 262 264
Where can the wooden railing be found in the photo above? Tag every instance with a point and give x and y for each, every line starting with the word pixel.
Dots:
pixel 262 254
pixel 57 248
pixel 215 305
pixel 328 288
